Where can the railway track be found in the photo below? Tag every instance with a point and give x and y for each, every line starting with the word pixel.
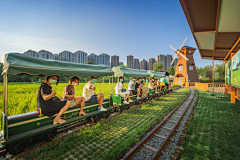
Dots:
pixel 66 129
pixel 153 144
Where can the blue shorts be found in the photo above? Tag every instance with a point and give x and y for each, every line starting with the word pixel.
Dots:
pixel 92 99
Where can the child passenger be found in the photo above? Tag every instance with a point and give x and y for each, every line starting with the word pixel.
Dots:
pixel 69 94
pixel 122 92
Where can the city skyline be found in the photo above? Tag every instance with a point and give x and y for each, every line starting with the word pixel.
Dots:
pixel 102 59
pixel 113 27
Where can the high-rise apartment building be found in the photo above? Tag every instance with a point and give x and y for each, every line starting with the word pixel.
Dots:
pixel 130 61
pixel 45 54
pixel 144 64
pixel 31 53
pixel 114 61
pixel 104 59
pixel 136 64
pixel 168 61
pixel 80 57
pixel 93 57
pixel 67 56
pixel 150 63
pixel 175 62
pixel 162 58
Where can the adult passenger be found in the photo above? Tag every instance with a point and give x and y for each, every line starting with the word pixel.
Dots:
pixel 49 104
pixel 131 86
pixel 122 92
pixel 90 96
pixel 69 94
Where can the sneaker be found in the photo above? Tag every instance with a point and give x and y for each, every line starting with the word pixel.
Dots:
pixel 125 102
pixel 138 98
pixel 102 109
pixel 157 92
pixel 130 100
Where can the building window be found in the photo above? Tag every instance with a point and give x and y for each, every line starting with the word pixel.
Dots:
pixel 190 67
pixel 180 68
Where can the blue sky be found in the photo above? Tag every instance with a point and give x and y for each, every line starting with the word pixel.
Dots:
pixel 143 29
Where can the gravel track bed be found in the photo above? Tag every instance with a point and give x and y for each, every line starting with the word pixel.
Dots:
pixel 156 142
pixel 170 148
pixel 143 154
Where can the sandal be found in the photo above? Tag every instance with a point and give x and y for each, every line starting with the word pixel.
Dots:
pixel 82 114
pixel 58 122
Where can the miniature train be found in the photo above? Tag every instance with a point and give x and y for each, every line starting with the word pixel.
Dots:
pixel 24 130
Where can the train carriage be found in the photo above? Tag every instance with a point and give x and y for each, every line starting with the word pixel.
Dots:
pixel 23 130
pixel 128 72
pixel 152 92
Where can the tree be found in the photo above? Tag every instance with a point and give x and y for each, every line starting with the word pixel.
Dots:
pixel 171 70
pixel 157 67
pixel 89 62
pixel 124 66
pixel 220 71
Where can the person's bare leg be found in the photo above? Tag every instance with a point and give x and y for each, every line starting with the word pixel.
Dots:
pixel 100 97
pixel 143 92
pixel 138 92
pixel 82 105
pixel 128 97
pixel 62 111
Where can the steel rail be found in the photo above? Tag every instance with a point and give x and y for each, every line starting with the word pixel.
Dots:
pixel 141 144
pixel 159 151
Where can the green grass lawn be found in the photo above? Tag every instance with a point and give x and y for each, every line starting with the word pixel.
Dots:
pixel 214 131
pixel 108 140
pixel 236 77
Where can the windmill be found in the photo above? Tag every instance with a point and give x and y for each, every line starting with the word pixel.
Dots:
pixel 178 51
pixel 185 69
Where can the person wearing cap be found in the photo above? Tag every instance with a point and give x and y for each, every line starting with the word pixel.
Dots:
pixel 69 94
pixel 90 96
pixel 122 91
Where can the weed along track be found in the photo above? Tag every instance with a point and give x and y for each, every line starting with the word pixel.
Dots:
pixel 89 130
pixel 152 146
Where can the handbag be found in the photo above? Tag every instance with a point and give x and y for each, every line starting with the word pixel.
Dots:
pixel 69 98
pixel 55 99
pixel 123 90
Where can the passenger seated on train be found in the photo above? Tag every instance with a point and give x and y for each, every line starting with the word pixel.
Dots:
pixel 155 84
pixel 144 88
pixel 158 85
pixel 69 94
pixel 139 87
pixel 48 102
pixel 164 80
pixel 122 91
pixel 152 85
pixel 90 96
pixel 131 86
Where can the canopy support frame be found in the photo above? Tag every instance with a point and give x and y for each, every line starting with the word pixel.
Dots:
pixel 5 103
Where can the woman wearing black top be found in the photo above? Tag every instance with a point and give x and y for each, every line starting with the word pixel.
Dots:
pixel 46 103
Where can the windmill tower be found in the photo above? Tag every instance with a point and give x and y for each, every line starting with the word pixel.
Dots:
pixel 186 69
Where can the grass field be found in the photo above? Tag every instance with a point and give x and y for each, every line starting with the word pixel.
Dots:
pixel 236 78
pixel 22 97
pixel 107 140
pixel 214 130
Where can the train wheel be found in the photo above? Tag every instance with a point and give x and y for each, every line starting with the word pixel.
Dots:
pixel 14 148
pixel 49 135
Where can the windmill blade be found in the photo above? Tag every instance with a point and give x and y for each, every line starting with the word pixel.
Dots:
pixel 172 47
pixel 183 43
pixel 173 59
pixel 183 56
